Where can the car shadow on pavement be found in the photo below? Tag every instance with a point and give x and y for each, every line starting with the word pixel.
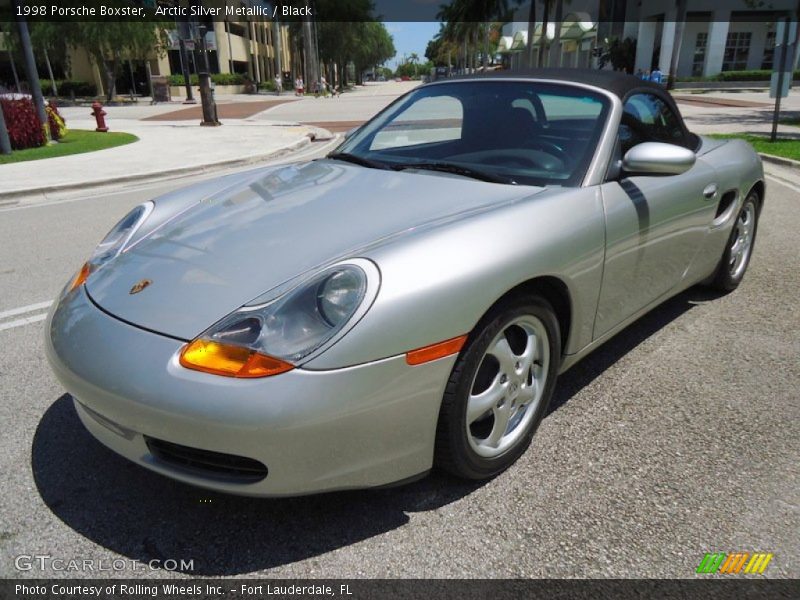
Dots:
pixel 144 516
pixel 626 340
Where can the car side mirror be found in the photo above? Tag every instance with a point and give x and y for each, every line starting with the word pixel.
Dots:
pixel 657 158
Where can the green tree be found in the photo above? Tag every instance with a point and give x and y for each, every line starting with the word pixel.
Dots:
pixel 442 50
pixel 467 20
pixel 413 59
pixel 621 54
pixel 412 70
pixel 376 47
pixel 47 40
pixel 347 34
pixel 110 43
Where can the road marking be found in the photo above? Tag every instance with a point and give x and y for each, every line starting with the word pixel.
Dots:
pixel 784 182
pixel 21 311
pixel 25 309
pixel 23 321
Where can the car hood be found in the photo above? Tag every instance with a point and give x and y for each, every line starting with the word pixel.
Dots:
pixel 238 244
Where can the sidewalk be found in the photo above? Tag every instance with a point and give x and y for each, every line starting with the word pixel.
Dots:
pixel 164 148
pixel 255 128
pixel 713 113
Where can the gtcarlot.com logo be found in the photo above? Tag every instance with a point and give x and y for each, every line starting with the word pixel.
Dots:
pixel 46 562
pixel 735 562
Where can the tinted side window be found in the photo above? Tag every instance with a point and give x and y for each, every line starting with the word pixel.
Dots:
pixel 647 118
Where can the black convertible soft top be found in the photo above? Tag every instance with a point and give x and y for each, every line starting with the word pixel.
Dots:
pixel 616 82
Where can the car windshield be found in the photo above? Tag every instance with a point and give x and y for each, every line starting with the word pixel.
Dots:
pixel 515 132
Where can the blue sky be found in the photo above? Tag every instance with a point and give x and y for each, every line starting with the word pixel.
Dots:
pixel 410 37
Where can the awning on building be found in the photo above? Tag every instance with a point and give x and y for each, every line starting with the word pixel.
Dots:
pixel 575 27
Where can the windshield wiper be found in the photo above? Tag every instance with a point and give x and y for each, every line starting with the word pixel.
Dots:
pixel 357 160
pixel 456 170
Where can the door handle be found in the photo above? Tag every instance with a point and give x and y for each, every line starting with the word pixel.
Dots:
pixel 710 190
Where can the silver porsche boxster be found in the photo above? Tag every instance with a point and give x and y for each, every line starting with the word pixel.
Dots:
pixel 410 300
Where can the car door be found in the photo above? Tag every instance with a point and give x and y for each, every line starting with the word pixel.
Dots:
pixel 655 224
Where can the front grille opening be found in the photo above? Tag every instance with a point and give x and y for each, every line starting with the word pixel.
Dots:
pixel 215 465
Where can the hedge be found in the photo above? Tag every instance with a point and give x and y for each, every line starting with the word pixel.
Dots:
pixel 753 75
pixel 269 85
pixel 23 124
pixel 66 88
pixel 217 78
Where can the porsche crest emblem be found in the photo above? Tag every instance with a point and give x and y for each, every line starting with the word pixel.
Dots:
pixel 139 286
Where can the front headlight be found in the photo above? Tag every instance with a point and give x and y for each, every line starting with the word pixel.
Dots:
pixel 113 243
pixel 270 338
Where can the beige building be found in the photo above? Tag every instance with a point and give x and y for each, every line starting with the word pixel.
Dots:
pixel 257 49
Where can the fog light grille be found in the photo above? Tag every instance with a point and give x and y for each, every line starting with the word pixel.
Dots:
pixel 216 465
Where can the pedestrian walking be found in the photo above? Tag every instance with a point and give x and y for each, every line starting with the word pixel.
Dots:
pixel 299 87
pixel 278 85
pixel 656 76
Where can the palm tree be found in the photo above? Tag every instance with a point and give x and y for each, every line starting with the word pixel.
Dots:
pixel 458 28
pixel 489 11
pixel 464 19
pixel 413 58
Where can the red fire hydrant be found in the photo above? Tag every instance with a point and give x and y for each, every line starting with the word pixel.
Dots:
pixel 99 114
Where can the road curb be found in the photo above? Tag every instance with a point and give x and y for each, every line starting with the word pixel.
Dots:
pixel 13 197
pixel 780 160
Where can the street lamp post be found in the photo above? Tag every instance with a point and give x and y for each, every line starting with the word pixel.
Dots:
pixel 206 93
pixel 183 35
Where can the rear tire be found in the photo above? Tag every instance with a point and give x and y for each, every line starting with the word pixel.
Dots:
pixel 739 249
pixel 499 389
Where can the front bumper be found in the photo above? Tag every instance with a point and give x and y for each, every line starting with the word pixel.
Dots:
pixel 315 431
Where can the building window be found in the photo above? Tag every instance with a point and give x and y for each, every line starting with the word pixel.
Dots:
pixel 699 56
pixel 769 51
pixel 235 29
pixel 737 49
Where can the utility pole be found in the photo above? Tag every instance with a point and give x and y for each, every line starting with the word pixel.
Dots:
pixel 785 38
pixel 5 142
pixel 31 73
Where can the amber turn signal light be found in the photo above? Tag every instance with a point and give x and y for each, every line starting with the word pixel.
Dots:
pixel 81 277
pixel 230 361
pixel 435 351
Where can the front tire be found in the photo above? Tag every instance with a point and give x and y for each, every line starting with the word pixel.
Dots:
pixel 499 389
pixel 739 249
